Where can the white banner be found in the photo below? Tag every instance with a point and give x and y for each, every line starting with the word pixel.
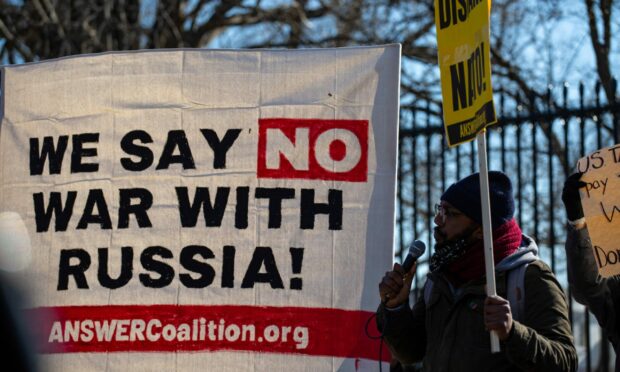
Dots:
pixel 201 209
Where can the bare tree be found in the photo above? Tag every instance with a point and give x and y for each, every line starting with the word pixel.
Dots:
pixel 527 58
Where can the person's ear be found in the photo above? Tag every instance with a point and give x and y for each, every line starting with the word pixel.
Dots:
pixel 478 233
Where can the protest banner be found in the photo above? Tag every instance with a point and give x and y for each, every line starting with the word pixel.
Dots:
pixel 601 206
pixel 204 209
pixel 463 50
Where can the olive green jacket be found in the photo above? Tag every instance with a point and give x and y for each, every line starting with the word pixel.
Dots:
pixel 448 332
pixel 600 295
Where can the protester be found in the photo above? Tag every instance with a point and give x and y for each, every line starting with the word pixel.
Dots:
pixel 447 329
pixel 17 353
pixel 600 295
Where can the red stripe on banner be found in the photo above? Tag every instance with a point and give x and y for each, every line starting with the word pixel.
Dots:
pixel 296 330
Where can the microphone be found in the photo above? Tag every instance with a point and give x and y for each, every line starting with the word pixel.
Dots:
pixel 416 249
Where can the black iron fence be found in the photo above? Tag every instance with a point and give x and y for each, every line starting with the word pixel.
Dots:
pixel 537 142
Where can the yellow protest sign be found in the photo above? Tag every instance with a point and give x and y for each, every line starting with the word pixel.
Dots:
pixel 465 67
pixel 601 206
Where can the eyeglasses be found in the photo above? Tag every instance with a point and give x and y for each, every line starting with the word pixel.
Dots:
pixel 444 213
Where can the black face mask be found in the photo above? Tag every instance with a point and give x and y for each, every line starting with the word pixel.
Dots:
pixel 449 251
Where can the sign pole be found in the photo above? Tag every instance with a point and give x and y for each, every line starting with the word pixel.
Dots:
pixel 489 262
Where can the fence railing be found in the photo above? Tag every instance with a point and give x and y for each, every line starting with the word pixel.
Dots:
pixel 537 142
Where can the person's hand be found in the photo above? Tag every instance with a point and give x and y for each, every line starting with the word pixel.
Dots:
pixel 497 316
pixel 571 197
pixel 395 285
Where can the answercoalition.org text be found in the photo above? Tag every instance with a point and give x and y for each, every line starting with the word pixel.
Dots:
pixel 205 328
pixel 155 330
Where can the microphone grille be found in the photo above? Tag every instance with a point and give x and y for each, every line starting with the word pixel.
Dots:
pixel 417 248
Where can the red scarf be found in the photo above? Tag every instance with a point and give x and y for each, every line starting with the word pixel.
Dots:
pixel 506 240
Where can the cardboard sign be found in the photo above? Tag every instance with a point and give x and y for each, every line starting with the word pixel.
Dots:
pixel 229 210
pixel 601 206
pixel 465 66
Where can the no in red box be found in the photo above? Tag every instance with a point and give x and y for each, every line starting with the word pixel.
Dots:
pixel 343 142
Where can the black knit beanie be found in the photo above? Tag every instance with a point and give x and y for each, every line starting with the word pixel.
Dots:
pixel 465 196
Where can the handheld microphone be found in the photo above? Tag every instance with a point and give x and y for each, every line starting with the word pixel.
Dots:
pixel 416 249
